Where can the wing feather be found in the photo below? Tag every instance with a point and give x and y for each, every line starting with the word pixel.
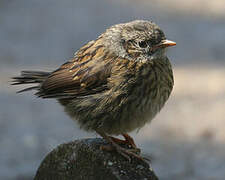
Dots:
pixel 85 74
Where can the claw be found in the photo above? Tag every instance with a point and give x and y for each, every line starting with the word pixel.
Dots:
pixel 114 145
pixel 128 141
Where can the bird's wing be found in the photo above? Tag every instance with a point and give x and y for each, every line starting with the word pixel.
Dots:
pixel 85 74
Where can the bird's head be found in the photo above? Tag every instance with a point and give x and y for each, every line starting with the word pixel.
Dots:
pixel 137 40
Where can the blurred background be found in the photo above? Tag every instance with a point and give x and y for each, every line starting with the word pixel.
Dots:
pixel 186 141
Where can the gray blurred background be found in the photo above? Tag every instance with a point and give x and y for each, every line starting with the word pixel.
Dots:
pixel 186 141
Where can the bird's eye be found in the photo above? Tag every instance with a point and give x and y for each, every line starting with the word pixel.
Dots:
pixel 142 44
pixel 149 42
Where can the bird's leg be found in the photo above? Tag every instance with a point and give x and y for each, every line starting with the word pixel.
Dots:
pixel 128 141
pixel 127 153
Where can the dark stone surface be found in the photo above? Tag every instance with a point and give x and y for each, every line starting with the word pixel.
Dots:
pixel 83 160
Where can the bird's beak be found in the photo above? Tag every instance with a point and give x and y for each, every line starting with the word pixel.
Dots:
pixel 165 43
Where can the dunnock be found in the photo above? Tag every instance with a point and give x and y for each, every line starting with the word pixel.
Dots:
pixel 114 84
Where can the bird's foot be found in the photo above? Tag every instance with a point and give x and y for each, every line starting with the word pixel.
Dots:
pixel 128 141
pixel 115 145
pixel 126 153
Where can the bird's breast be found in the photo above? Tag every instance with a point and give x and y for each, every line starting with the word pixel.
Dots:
pixel 135 95
pixel 148 91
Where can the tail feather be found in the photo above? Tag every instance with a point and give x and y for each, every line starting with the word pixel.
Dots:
pixel 30 77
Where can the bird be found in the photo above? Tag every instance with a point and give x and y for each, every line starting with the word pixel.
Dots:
pixel 113 85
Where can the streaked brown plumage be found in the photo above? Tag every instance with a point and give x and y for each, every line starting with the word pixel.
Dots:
pixel 114 84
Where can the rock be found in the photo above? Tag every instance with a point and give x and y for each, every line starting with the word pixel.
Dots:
pixel 83 160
